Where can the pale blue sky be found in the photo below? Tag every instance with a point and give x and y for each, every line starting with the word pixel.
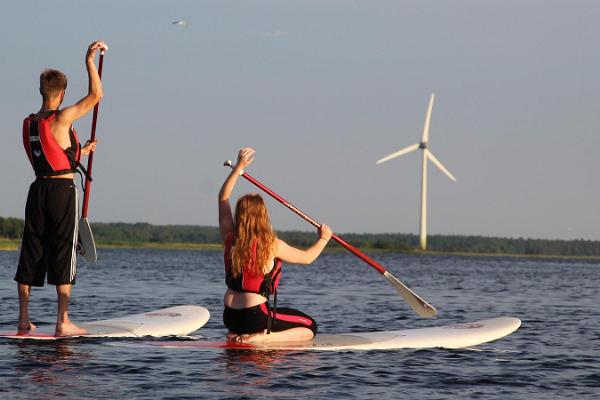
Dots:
pixel 322 89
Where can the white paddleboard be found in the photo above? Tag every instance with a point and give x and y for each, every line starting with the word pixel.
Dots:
pixel 453 336
pixel 172 321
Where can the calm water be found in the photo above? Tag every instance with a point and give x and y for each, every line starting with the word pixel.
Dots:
pixel 554 355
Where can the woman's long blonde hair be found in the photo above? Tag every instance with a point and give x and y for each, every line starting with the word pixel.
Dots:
pixel 252 228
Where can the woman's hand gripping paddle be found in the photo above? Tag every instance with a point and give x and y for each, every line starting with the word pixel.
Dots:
pixel 87 246
pixel 421 307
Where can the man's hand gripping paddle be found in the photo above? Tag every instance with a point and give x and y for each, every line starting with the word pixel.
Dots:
pixel 420 306
pixel 86 245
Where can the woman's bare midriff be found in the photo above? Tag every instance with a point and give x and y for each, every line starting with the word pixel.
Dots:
pixel 63 176
pixel 240 300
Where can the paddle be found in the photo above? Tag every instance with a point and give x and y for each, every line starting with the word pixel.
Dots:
pixel 87 246
pixel 419 305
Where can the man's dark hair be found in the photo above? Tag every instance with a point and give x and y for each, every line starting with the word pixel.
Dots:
pixel 52 81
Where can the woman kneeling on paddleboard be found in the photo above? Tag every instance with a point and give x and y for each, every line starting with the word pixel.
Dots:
pixel 253 256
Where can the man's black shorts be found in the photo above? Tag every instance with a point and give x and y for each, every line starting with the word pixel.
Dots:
pixel 50 235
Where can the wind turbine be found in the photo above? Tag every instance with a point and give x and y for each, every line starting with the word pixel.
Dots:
pixel 427 155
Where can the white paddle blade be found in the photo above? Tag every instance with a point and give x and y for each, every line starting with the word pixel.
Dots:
pixel 425 137
pixel 438 164
pixel 405 150
pixel 421 307
pixel 86 245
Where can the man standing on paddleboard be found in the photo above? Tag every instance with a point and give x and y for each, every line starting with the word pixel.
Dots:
pixel 49 243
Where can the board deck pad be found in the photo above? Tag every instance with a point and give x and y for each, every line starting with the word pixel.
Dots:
pixel 453 336
pixel 172 321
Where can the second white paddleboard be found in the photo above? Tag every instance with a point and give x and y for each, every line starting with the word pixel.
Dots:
pixel 172 321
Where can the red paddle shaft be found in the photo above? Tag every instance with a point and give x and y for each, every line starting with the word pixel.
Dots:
pixel 310 220
pixel 422 307
pixel 88 182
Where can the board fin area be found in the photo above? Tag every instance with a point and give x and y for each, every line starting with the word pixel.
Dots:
pixel 172 321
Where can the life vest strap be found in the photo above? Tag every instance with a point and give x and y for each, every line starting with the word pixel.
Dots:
pixel 82 171
pixel 271 312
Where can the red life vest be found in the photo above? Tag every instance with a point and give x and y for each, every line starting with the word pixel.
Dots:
pixel 263 284
pixel 46 156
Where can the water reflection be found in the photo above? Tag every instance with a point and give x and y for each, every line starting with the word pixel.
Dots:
pixel 47 366
pixel 242 360
pixel 264 373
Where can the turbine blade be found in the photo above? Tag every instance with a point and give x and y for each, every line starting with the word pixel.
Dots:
pixel 405 150
pixel 425 137
pixel 438 164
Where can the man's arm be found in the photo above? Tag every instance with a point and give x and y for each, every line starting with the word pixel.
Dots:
pixel 69 114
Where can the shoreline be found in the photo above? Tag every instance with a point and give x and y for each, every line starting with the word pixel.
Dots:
pixel 13 245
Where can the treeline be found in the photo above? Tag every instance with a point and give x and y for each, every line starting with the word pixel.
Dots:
pixel 460 244
pixel 119 232
pixel 124 233
pixel 11 228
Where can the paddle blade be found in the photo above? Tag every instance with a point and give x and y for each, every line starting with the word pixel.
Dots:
pixel 405 150
pixel 86 245
pixel 421 307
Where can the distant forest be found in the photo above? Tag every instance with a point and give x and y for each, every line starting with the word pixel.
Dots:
pixel 124 233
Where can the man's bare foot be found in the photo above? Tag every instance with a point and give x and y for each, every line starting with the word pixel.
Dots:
pixel 69 329
pixel 25 328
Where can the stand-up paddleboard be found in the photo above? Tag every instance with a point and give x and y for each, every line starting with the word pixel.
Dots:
pixel 454 336
pixel 172 321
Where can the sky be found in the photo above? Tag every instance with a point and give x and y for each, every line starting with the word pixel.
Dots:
pixel 321 90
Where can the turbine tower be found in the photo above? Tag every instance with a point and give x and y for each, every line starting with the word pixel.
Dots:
pixel 427 155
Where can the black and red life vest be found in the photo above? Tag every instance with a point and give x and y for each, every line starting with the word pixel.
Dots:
pixel 46 156
pixel 263 284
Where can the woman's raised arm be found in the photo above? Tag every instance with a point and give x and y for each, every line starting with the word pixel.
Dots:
pixel 226 223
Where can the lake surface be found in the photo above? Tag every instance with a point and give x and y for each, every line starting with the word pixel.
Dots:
pixel 554 355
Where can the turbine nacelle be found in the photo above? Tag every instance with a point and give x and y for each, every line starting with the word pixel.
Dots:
pixel 423 145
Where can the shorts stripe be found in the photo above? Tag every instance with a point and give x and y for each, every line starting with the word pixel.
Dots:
pixel 298 319
pixel 75 236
